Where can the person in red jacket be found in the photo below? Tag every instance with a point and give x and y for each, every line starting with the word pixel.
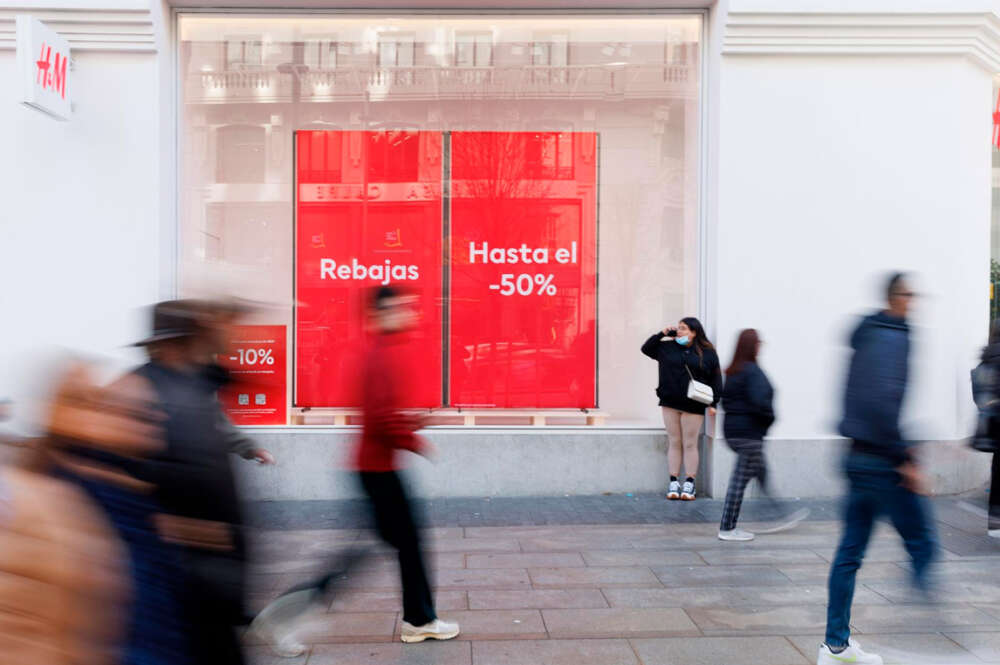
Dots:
pixel 387 428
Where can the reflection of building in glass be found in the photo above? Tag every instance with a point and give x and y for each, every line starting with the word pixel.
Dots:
pixel 250 83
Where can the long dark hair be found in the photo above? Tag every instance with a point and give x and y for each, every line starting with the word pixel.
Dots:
pixel 746 351
pixel 700 342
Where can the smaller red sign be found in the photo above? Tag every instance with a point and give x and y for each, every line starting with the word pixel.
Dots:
pixel 996 124
pixel 257 360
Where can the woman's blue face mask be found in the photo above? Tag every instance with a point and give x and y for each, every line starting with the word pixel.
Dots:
pixel 683 341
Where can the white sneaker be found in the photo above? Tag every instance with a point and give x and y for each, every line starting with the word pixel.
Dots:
pixel 852 655
pixel 993 533
pixel 278 624
pixel 674 491
pixel 789 522
pixel 687 494
pixel 435 630
pixel 735 535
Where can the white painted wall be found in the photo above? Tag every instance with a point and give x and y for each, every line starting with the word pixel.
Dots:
pixel 79 249
pixel 832 171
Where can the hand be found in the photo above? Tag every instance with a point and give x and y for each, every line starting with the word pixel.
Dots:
pixel 913 479
pixel 712 411
pixel 262 456
pixel 668 329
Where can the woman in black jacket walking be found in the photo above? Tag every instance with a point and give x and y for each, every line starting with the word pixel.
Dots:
pixel 748 400
pixel 684 354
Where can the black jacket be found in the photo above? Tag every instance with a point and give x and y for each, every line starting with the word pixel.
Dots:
pixel 193 475
pixel 986 379
pixel 748 400
pixel 674 378
pixel 876 385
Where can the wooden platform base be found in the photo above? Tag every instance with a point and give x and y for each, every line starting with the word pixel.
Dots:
pixel 463 417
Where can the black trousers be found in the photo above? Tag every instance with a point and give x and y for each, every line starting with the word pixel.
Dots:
pixel 396 525
pixel 994 519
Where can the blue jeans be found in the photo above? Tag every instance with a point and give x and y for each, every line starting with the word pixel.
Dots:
pixel 874 491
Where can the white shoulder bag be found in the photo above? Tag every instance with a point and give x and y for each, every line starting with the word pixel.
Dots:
pixel 698 391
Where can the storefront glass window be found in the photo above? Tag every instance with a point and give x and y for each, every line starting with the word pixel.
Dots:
pixel 532 179
pixel 995 234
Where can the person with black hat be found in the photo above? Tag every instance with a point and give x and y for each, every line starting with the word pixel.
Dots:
pixel 194 481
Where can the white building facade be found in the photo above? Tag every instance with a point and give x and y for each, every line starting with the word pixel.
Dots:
pixel 754 163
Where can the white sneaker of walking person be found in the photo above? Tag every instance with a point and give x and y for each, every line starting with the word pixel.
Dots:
pixel 993 533
pixel 735 535
pixel 279 624
pixel 852 655
pixel 787 523
pixel 435 630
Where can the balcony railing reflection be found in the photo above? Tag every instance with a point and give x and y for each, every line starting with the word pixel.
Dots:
pixel 526 81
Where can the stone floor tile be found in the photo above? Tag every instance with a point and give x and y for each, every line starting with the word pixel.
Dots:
pixel 893 552
pixel 731 596
pixel 468 545
pixel 900 649
pixel 489 599
pixel 554 652
pixel 334 627
pixel 979 571
pixel 954 592
pixel 628 532
pixel 532 560
pixel 440 532
pixel 992 609
pixel 592 576
pixel 618 622
pixel 761 620
pixel 921 618
pixel 499 624
pixel 985 646
pixel 392 601
pixel 572 543
pixel 642 558
pixel 492 578
pixel 438 560
pixel 265 656
pixel 711 542
pixel 819 573
pixel 718 651
pixel 743 556
pixel 452 652
pixel 684 576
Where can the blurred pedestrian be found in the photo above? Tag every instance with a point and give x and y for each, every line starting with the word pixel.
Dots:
pixel 194 481
pixel 690 382
pixel 986 392
pixel 748 401
pixel 882 471
pixel 386 429
pixel 97 439
pixel 62 573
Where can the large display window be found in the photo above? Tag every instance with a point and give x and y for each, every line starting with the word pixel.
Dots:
pixel 532 179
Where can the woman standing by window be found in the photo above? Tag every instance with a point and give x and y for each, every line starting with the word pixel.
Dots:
pixel 684 355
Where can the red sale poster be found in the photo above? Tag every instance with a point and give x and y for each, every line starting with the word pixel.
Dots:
pixel 257 361
pixel 368 213
pixel 523 274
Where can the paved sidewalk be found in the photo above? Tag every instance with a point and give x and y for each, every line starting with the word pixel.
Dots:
pixel 607 593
